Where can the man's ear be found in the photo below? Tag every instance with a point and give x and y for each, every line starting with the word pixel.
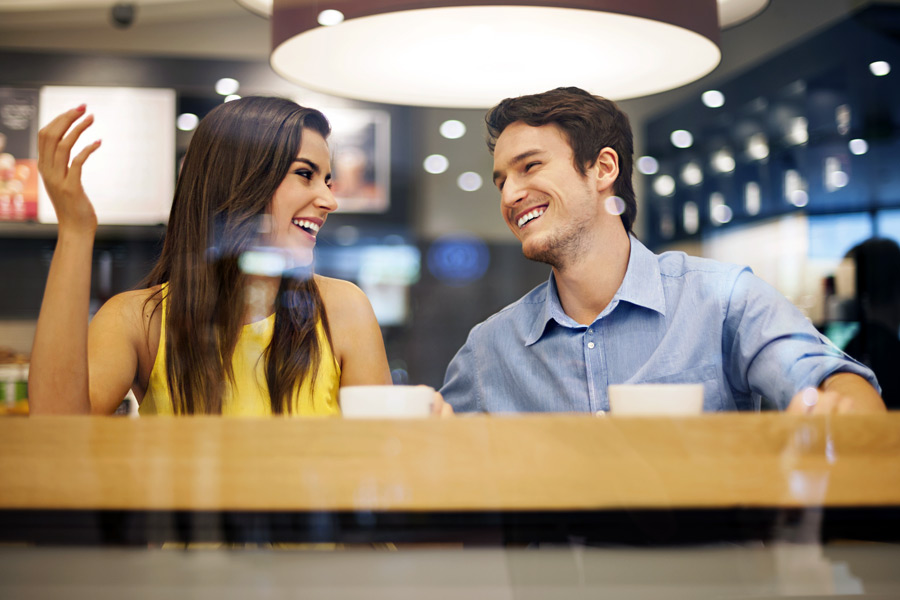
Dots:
pixel 606 169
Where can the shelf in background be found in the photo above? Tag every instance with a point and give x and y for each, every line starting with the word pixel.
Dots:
pixel 33 230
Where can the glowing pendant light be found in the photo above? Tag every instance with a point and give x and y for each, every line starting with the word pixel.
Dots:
pixel 465 54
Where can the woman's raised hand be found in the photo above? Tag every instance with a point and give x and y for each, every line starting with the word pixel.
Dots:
pixel 62 178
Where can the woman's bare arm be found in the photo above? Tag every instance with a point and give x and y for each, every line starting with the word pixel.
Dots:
pixel 357 340
pixel 59 380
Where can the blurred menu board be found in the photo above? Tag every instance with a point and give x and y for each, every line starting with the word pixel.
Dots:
pixel 130 179
pixel 18 164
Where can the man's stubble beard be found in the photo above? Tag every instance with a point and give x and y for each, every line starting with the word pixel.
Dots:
pixel 561 248
pixel 564 246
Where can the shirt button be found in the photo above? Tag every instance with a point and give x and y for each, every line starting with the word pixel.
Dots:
pixel 590 331
pixel 591 345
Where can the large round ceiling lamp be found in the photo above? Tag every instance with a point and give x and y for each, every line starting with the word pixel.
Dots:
pixel 731 12
pixel 462 54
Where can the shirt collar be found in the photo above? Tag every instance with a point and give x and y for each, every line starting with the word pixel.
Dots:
pixel 643 283
pixel 641 286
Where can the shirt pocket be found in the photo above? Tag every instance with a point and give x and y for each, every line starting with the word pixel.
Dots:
pixel 708 375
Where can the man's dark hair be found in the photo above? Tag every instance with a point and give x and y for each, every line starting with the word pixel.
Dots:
pixel 590 123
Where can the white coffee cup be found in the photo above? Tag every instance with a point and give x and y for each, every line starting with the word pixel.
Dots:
pixel 386 401
pixel 656 399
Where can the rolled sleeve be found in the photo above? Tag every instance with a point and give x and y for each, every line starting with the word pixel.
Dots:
pixel 772 349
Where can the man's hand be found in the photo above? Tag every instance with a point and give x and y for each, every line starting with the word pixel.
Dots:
pixel 840 393
pixel 440 408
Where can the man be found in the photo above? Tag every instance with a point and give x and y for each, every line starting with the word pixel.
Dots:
pixel 614 312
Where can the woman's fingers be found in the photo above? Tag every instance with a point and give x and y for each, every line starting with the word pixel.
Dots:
pixel 78 161
pixel 50 135
pixel 62 173
pixel 64 148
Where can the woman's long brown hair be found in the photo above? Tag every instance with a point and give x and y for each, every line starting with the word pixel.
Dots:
pixel 239 155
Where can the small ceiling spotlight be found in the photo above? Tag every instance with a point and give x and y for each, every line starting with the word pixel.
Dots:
pixel 664 185
pixel 227 86
pixel 799 131
pixel 453 129
pixel 187 121
pixel 330 18
pixel 681 138
pixel 469 181
pixel 692 174
pixel 723 161
pixel 713 98
pixel 858 146
pixel 436 164
pixel 648 165
pixel 880 68
pixel 758 146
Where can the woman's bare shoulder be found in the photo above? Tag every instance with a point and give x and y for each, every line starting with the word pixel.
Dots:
pixel 135 301
pixel 343 299
pixel 339 291
pixel 355 334
pixel 132 309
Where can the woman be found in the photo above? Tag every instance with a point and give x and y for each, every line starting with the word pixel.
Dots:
pixel 231 319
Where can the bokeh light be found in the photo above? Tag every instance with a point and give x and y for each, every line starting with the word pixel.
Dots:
pixel 469 181
pixel 799 131
pixel 691 217
pixel 692 174
pixel 723 161
pixel 436 164
pixel 187 121
pixel 681 138
pixel 758 146
pixel 664 185
pixel 227 86
pixel 330 18
pixel 453 129
pixel 858 146
pixel 880 68
pixel 752 198
pixel 458 259
pixel 615 205
pixel 722 214
pixel 713 98
pixel 648 165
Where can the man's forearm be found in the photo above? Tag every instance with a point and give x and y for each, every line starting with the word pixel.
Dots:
pixel 849 385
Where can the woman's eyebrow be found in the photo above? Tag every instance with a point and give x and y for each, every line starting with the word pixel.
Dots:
pixel 313 166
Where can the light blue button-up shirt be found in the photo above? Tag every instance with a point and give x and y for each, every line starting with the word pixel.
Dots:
pixel 675 319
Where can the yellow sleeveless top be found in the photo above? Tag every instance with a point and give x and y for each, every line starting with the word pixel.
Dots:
pixel 249 396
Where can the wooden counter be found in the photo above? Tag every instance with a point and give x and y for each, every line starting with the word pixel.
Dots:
pixel 481 463
pixel 471 507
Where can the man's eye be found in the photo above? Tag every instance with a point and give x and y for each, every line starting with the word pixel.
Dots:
pixel 530 165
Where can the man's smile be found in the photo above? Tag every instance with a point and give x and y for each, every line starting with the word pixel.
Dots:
pixel 529 216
